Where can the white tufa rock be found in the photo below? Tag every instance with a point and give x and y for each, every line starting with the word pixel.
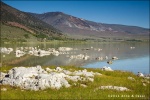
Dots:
pixel 2 75
pixel 83 85
pixel 106 69
pixel 132 47
pixel 96 73
pixel 3 89
pixel 6 50
pixel 36 78
pixel 147 76
pixel 48 69
pixel 140 74
pixel 144 84
pixel 131 78
pixel 19 53
pixel 65 49
pixel 80 56
pixel 114 88
pixel 99 58
pixel 114 58
pixel 58 69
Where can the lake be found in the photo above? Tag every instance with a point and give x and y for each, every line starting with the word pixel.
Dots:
pixel 132 56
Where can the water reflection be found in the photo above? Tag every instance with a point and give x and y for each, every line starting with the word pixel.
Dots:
pixel 79 54
pixel 133 65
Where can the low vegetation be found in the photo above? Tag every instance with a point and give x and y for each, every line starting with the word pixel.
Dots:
pixel 14 34
pixel 114 78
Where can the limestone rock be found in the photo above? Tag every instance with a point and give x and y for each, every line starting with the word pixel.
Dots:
pixel 36 78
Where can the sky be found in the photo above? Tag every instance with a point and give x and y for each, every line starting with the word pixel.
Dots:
pixel 133 13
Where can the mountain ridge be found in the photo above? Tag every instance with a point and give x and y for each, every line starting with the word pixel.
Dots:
pixel 79 26
pixel 58 25
pixel 59 12
pixel 15 18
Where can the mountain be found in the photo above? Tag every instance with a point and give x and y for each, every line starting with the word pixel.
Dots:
pixel 18 25
pixel 79 27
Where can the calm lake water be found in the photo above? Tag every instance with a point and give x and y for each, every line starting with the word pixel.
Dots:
pixel 129 59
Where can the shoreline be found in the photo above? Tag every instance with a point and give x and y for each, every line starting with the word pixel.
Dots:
pixel 76 41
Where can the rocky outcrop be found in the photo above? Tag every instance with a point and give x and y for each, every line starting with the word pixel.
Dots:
pixel 36 78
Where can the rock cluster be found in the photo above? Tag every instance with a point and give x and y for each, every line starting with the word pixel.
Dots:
pixel 36 51
pixel 65 49
pixel 36 78
pixel 71 53
pixel 80 56
pixel 114 88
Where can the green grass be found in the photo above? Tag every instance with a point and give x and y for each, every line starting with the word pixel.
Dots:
pixel 116 78
pixel 14 34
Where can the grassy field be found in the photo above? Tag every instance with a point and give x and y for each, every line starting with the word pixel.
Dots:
pixel 115 78
pixel 14 34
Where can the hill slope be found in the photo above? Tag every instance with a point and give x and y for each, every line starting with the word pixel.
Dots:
pixel 81 27
pixel 11 17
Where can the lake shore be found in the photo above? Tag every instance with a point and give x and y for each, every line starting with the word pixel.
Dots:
pixel 105 85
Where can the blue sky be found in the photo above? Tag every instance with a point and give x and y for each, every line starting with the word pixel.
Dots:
pixel 134 13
